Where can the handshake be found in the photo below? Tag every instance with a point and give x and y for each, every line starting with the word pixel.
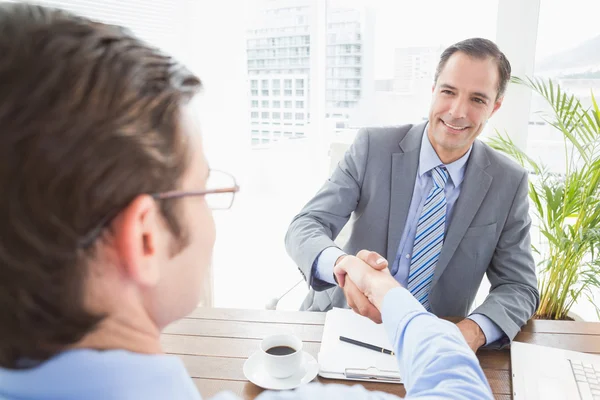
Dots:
pixel 365 279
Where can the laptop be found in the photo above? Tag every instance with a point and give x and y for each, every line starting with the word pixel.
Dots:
pixel 540 372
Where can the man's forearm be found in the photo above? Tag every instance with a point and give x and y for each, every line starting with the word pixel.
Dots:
pixel 491 331
pixel 509 306
pixel 431 351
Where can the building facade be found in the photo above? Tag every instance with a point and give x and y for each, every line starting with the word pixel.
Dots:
pixel 280 60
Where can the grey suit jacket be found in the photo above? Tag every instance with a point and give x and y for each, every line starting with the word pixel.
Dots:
pixel 488 231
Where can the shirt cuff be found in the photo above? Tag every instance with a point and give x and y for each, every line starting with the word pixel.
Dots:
pixel 491 331
pixel 326 262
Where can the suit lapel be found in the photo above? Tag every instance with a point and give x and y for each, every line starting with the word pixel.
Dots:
pixel 404 172
pixel 475 186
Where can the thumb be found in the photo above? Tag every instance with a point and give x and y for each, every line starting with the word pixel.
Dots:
pixel 340 275
pixel 374 259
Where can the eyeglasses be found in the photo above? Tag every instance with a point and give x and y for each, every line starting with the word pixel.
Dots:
pixel 220 191
pixel 219 194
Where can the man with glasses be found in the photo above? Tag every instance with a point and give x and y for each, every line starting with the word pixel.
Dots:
pixel 107 230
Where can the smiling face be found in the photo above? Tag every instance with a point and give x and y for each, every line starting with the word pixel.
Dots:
pixel 464 98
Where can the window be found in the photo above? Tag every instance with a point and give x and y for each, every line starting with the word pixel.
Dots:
pixel 254 114
pixel 254 92
pixel 254 104
pixel 265 84
pixel 299 116
pixel 254 132
pixel 563 55
pixel 286 175
pixel 264 115
pixel 287 92
pixel 265 92
pixel 265 104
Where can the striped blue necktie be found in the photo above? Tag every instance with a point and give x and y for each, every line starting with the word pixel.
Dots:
pixel 428 239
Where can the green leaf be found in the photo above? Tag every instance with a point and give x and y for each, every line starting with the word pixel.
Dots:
pixel 567 205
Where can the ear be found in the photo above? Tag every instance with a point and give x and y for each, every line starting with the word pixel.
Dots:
pixel 497 106
pixel 136 232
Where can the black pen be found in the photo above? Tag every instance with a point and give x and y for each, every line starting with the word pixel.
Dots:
pixel 366 345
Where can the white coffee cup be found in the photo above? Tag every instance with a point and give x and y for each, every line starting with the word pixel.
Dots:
pixel 288 362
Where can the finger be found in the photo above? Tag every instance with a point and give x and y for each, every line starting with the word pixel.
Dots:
pixel 374 259
pixel 359 303
pixel 374 315
pixel 340 275
pixel 366 309
pixel 350 300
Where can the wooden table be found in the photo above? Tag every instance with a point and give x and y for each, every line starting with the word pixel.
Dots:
pixel 214 344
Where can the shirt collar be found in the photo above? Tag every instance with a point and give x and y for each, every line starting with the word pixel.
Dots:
pixel 428 160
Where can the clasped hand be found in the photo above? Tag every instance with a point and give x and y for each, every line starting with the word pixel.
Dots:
pixel 365 279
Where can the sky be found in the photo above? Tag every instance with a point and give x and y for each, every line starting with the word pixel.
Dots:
pixel 565 24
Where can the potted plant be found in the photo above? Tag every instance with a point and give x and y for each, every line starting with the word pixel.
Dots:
pixel 567 206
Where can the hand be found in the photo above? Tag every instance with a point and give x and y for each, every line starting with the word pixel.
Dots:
pixel 359 302
pixel 369 274
pixel 354 297
pixel 472 333
pixel 371 258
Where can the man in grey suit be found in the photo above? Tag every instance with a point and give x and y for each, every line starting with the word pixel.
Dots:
pixel 441 206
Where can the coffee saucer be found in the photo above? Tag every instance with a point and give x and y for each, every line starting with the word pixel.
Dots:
pixel 255 372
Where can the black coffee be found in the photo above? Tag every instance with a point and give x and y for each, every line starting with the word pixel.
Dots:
pixel 281 350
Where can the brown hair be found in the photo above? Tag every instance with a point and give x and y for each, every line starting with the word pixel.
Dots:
pixel 481 49
pixel 88 121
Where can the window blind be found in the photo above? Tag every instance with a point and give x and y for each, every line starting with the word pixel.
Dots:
pixel 163 23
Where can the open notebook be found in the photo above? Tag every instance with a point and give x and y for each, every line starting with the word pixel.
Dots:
pixel 341 360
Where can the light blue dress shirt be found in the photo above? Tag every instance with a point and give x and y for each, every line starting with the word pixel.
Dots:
pixel 433 358
pixel 428 160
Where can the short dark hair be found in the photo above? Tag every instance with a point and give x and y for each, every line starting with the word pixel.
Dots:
pixel 481 49
pixel 89 119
